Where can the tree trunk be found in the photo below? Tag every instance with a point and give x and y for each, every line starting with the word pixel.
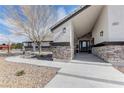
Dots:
pixel 8 48
pixel 34 47
pixel 40 49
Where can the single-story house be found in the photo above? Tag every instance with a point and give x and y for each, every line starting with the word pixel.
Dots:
pixel 4 47
pixel 46 44
pixel 96 29
pixel 31 46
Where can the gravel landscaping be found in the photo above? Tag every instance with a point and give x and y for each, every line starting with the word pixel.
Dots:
pixel 120 68
pixel 16 75
pixel 4 53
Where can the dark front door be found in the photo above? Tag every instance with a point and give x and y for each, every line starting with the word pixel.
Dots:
pixel 84 45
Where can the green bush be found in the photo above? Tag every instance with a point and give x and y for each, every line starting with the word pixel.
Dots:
pixel 20 73
pixel 16 46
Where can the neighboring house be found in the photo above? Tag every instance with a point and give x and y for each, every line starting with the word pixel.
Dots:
pixel 31 46
pixel 46 46
pixel 4 47
pixel 95 29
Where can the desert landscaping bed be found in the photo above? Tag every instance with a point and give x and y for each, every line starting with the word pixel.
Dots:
pixel 119 68
pixel 18 75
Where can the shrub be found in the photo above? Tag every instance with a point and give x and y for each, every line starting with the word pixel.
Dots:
pixel 20 73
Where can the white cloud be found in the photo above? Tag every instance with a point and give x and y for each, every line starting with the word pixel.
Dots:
pixel 2 37
pixel 12 38
pixel 5 22
pixel 61 13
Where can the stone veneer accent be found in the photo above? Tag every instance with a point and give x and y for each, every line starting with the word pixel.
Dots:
pixel 110 53
pixel 62 53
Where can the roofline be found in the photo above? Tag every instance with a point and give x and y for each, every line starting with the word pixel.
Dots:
pixel 32 41
pixel 69 17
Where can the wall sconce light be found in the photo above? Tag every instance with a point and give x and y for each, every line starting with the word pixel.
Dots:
pixel 64 30
pixel 101 33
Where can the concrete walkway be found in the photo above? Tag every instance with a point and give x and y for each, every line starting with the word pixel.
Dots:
pixel 87 72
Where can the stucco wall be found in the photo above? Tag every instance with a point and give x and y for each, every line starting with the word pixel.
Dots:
pixel 111 22
pixel 116 23
pixel 59 35
pixel 101 25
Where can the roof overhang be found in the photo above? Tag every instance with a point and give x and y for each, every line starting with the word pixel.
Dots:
pixel 83 19
pixel 65 19
pixel 84 22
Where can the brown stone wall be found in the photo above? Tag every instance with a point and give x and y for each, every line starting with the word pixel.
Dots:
pixel 110 53
pixel 61 53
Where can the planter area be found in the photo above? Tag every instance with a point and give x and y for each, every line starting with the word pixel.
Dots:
pixel 18 75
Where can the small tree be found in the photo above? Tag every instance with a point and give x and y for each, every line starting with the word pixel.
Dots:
pixel 30 21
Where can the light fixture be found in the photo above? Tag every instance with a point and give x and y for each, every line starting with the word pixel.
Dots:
pixel 64 30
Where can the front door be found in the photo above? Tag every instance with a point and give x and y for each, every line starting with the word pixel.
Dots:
pixel 84 45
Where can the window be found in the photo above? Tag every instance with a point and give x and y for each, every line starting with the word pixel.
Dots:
pixel 64 30
pixel 84 44
pixel 101 33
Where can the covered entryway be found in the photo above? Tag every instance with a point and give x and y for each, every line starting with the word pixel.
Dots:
pixel 83 24
pixel 84 57
pixel 84 46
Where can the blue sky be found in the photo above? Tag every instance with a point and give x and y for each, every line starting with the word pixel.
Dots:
pixel 62 11
pixel 68 8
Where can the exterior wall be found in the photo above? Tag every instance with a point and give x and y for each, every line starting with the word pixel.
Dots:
pixel 62 53
pixel 45 43
pixel 110 53
pixel 46 49
pixel 86 37
pixel 116 23
pixel 59 35
pixel 112 23
pixel 101 25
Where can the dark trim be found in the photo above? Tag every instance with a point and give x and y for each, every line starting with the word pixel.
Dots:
pixel 109 43
pixel 60 44
pixel 37 46
pixel 27 42
pixel 69 17
pixel 46 46
pixel 28 46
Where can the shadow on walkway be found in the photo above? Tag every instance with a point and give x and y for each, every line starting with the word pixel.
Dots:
pixel 93 79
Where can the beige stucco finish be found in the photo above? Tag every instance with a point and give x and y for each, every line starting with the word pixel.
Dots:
pixel 111 23
pixel 101 25
pixel 116 23
pixel 84 22
pixel 59 35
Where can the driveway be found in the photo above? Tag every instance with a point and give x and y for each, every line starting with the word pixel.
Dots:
pixel 85 71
